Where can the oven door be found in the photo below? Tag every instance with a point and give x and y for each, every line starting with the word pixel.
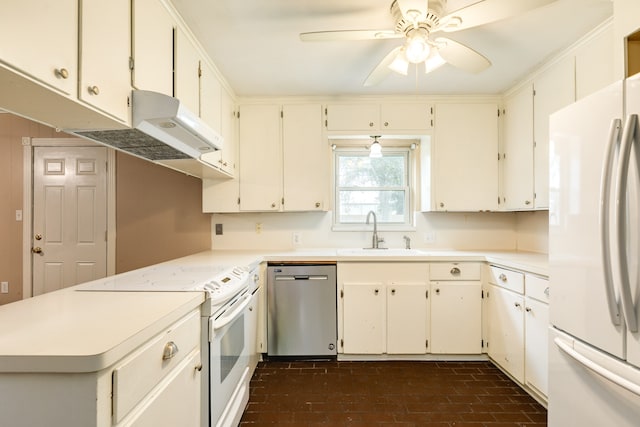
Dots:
pixel 229 363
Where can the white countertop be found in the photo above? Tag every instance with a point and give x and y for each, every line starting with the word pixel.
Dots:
pixel 75 331
pixel 72 331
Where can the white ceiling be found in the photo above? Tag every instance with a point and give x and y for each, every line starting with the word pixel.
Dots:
pixel 256 45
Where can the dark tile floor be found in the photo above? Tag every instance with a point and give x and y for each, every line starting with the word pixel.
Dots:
pixel 397 393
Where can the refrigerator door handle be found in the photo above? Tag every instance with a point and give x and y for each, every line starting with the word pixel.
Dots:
pixel 628 138
pixel 605 220
pixel 596 368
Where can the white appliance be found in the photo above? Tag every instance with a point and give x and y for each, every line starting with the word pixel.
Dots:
pixel 594 232
pixel 228 327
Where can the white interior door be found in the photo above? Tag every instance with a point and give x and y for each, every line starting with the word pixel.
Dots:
pixel 69 216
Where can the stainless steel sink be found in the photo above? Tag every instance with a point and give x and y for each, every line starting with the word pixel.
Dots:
pixel 381 252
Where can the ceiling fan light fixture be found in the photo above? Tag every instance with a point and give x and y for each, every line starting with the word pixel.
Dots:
pixel 417 48
pixel 433 62
pixel 400 64
pixel 375 149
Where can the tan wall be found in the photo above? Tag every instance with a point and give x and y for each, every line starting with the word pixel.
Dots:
pixel 159 214
pixel 12 129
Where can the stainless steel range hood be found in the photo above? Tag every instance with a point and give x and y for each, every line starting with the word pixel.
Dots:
pixel 163 131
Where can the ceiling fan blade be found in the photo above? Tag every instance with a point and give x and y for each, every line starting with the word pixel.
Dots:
pixel 461 56
pixel 487 11
pixel 413 10
pixel 382 70
pixel 339 35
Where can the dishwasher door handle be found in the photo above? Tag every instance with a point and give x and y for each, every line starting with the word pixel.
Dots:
pixel 301 277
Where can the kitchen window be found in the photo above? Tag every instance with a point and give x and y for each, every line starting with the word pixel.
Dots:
pixel 379 184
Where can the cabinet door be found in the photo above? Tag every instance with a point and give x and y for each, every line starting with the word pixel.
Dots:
pixel 186 77
pixel 305 158
pixel 517 165
pixel 152 47
pixel 362 117
pixel 176 400
pixel 260 157
pixel 411 117
pixel 536 345
pixel 466 157
pixel 364 318
pixel 456 317
pixel 105 45
pixel 506 331
pixel 229 134
pixel 41 39
pixel 210 93
pixel 554 89
pixel 407 318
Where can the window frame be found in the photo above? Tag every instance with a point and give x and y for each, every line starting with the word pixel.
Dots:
pixel 349 150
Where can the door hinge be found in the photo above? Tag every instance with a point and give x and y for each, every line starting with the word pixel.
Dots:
pixel 426 294
pixel 482 343
pixel 498 199
pixel 238 201
pixel 431 109
pixel 534 92
pixel 281 114
pixel 325 111
pixel 426 343
pixel 199 69
pixel 341 293
pixel 282 200
pixel 342 343
pixel 131 63
pixel 482 294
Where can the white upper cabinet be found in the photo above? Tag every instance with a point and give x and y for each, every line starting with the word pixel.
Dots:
pixel 187 72
pixel 553 90
pixel 260 158
pixel 465 157
pixel 105 43
pixel 386 117
pixel 284 159
pixel 210 95
pixel 40 39
pixel 594 64
pixel 517 165
pixel 305 158
pixel 348 117
pixel 152 47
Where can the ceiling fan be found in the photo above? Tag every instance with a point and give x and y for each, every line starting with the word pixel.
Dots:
pixel 417 21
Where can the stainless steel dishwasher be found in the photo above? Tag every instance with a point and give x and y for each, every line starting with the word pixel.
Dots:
pixel 301 318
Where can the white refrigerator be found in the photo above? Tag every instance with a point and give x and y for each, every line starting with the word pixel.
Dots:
pixel 594 348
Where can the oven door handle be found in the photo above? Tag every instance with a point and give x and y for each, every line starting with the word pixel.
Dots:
pixel 225 319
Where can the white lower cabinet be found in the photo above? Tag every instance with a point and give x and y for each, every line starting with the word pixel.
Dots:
pixel 536 320
pixel 157 384
pixel 506 331
pixel 456 308
pixel 383 308
pixel 518 311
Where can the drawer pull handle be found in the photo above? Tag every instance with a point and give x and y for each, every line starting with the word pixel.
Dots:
pixel 170 350
pixel 376 291
pixel 503 277
pixel 393 291
pixel 198 367
pixel 455 271
pixel 546 291
pixel 528 309
pixel 61 73
pixel 517 305
pixel 438 291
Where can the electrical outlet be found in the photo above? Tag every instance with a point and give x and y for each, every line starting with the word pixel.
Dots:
pixel 430 237
pixel 4 287
pixel 258 227
pixel 218 229
pixel 295 238
pixel 18 215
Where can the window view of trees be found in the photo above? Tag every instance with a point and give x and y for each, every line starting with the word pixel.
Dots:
pixel 366 184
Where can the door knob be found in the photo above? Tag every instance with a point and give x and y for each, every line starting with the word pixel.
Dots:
pixel 36 250
pixel 38 236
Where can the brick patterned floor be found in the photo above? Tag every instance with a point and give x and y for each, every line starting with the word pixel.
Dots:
pixel 389 394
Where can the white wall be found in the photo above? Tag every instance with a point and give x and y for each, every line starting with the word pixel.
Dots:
pixel 532 230
pixel 461 231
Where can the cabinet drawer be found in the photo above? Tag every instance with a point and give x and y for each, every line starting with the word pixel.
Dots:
pixel 508 279
pixel 537 288
pixel 142 370
pixel 454 271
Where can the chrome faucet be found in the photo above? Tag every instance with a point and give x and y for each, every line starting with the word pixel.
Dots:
pixel 407 242
pixel 375 241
